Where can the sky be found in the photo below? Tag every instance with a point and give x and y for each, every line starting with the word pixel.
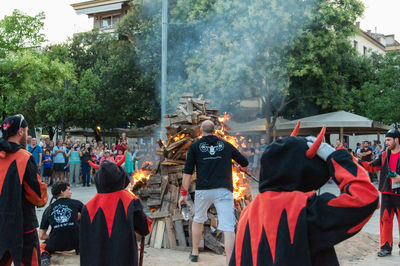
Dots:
pixel 62 21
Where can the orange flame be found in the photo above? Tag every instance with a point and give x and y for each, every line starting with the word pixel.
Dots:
pixel 150 163
pixel 179 137
pixel 239 187
pixel 140 175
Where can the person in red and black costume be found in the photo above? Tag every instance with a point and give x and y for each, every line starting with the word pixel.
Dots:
pixel 21 190
pixel 390 203
pixel 287 223
pixel 111 218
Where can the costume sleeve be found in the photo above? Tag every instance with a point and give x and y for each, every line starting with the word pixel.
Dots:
pixel 373 166
pixel 190 161
pixel 333 219
pixel 142 223
pixel 44 224
pixel 35 191
pixel 239 158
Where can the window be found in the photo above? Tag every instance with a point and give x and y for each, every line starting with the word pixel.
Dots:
pixel 355 45
pixel 364 50
pixel 109 21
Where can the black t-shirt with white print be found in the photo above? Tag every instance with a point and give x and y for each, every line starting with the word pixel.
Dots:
pixel 63 219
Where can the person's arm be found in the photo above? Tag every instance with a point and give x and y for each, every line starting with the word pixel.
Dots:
pixel 54 152
pixel 373 166
pixel 333 219
pixel 187 174
pixel 44 226
pixel 40 157
pixel 35 190
pixel 141 223
pixel 239 158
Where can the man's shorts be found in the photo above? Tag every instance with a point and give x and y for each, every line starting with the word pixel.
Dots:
pixel 223 202
pixel 58 167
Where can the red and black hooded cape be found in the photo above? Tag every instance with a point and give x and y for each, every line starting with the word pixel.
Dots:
pixel 287 223
pixel 110 219
pixel 20 191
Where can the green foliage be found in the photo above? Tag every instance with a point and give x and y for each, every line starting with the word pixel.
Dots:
pixel 19 31
pixel 382 93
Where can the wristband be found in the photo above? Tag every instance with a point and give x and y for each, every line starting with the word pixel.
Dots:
pixel 184 192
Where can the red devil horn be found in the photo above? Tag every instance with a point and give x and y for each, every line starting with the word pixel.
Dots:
pixel 296 129
pixel 120 162
pixel 93 165
pixel 314 148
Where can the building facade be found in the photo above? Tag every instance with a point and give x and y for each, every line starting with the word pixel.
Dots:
pixel 105 13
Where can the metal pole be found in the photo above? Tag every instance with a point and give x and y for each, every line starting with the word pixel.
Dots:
pixel 164 51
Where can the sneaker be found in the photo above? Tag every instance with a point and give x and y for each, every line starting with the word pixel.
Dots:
pixel 193 258
pixel 45 259
pixel 384 253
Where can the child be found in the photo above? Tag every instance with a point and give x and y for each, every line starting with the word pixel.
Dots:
pixel 119 155
pixel 63 216
pixel 107 156
pixel 47 162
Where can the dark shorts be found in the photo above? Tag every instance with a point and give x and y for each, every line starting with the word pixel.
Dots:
pixel 46 171
pixel 58 167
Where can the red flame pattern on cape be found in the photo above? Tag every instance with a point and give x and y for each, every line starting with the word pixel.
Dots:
pixel 108 203
pixel 272 205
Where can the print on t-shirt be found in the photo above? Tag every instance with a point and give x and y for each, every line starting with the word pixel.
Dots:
pixel 61 214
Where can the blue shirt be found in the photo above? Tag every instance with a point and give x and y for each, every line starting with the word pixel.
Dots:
pixel 47 164
pixel 59 158
pixel 36 151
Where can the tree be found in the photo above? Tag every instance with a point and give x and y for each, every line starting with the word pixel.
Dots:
pixel 20 31
pixel 382 93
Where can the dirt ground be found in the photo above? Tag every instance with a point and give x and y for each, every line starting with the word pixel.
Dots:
pixel 359 250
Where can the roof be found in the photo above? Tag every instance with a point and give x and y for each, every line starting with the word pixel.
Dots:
pixel 351 124
pixel 334 121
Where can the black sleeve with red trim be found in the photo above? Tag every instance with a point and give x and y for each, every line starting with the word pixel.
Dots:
pixel 35 190
pixel 333 219
pixel 142 224
pixel 373 166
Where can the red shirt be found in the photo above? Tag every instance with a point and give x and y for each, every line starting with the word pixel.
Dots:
pixel 394 158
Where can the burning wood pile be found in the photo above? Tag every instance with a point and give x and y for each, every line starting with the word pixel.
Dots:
pixel 159 187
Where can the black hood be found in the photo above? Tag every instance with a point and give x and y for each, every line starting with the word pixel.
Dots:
pixel 211 139
pixel 285 167
pixel 8 146
pixel 110 178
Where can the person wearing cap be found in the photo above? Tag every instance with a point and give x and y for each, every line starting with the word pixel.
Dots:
pixel 389 186
pixel 21 190
pixel 111 219
pixel 288 223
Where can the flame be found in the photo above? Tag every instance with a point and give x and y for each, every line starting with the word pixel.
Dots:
pixel 239 187
pixel 140 175
pixel 179 137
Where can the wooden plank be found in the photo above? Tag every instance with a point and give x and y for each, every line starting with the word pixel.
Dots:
pixel 154 179
pixel 170 232
pixel 165 243
pixel 187 95
pixel 159 234
pixel 176 144
pixel 180 234
pixel 183 110
pixel 211 242
pixel 154 202
pixel 175 168
pixel 153 233
pixel 159 214
pixel 164 185
pixel 177 217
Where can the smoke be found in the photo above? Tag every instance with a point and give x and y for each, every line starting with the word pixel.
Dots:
pixel 227 49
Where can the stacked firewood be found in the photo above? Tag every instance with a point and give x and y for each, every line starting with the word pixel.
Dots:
pixel 160 194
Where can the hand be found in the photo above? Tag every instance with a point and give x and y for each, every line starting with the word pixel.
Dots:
pixel 324 149
pixel 182 200
pixel 39 164
pixel 396 179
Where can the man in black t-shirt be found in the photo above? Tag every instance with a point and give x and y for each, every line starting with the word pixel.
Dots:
pixel 63 216
pixel 212 158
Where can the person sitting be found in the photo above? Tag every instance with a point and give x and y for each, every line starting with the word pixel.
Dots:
pixel 63 216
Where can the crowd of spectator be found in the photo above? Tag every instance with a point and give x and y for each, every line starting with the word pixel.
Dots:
pixel 67 160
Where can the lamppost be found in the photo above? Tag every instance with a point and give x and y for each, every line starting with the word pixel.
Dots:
pixel 164 51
